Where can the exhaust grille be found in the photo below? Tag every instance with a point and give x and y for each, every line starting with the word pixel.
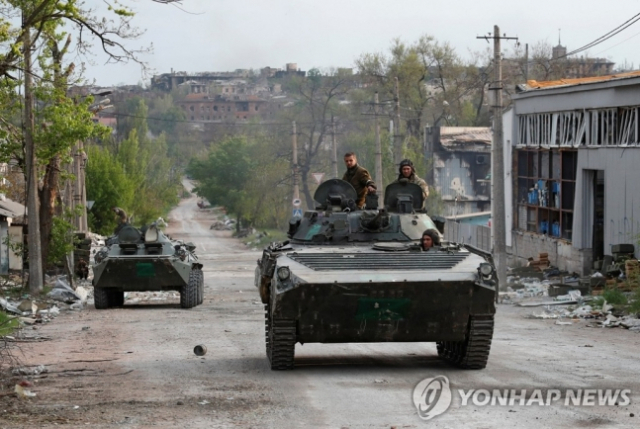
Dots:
pixel 379 261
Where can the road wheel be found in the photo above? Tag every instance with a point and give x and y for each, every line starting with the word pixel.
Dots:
pixel 101 298
pixel 189 292
pixel 282 344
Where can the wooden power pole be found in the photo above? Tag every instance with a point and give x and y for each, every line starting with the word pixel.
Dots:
pixel 296 186
pixel 498 218
pixel 334 149
pixel 397 140
pixel 379 180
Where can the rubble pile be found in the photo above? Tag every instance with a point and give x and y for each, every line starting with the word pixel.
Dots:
pixel 31 310
pixel 568 298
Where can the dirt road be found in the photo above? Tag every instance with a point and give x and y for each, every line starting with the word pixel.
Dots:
pixel 135 366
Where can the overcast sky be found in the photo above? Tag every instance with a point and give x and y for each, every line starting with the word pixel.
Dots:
pixel 224 35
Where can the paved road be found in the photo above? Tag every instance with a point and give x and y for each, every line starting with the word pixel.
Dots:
pixel 135 366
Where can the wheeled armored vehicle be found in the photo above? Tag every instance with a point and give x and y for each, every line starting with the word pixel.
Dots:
pixel 354 276
pixel 146 260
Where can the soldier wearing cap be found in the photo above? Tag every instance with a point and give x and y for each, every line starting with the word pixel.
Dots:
pixel 408 173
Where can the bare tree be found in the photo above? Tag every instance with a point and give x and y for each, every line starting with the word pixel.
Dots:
pixel 319 95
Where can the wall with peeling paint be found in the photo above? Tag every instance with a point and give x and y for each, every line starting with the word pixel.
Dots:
pixel 621 168
pixel 618 157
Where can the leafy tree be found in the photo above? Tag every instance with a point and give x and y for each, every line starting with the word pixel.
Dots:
pixel 109 186
pixel 435 85
pixel 224 174
pixel 318 98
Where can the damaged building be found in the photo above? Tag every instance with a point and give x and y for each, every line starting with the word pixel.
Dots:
pixel 572 149
pixel 460 169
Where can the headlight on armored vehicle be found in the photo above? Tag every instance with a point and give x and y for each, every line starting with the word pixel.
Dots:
pixel 284 273
pixel 485 269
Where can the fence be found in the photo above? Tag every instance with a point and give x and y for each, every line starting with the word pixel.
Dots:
pixel 475 235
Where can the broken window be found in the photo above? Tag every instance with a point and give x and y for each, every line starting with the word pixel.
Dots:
pixel 191 108
pixel 215 108
pixel 545 191
pixel 598 127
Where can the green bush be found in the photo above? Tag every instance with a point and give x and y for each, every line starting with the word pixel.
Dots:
pixel 614 297
pixel 7 324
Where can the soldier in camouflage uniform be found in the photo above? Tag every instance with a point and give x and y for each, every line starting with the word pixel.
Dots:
pixel 359 178
pixel 408 173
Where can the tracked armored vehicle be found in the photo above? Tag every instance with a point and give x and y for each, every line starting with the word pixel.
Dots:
pixel 146 260
pixel 354 276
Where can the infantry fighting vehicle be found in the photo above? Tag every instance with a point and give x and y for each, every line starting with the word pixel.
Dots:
pixel 354 276
pixel 146 260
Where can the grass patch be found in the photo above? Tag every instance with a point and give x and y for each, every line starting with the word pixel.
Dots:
pixel 614 297
pixel 634 306
pixel 8 324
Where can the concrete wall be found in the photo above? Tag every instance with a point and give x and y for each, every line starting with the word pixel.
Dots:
pixel 4 249
pixel 621 200
pixel 15 235
pixel 561 253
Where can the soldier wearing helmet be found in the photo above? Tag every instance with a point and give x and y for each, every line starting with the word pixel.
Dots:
pixel 408 173
pixel 430 239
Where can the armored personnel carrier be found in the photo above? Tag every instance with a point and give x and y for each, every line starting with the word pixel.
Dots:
pixel 355 276
pixel 146 260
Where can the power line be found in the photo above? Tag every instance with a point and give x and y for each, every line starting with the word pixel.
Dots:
pixel 606 36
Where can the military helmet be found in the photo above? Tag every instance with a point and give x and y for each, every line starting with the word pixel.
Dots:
pixel 405 163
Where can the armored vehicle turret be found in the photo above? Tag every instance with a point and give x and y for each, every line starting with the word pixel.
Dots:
pixel 146 260
pixel 359 276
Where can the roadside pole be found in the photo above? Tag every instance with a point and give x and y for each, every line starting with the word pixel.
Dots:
pixel 498 219
pixel 296 187
pixel 379 183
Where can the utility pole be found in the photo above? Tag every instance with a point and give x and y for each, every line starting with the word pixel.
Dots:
pixel 526 62
pixel 296 188
pixel 36 276
pixel 378 167
pixel 397 143
pixel 334 149
pixel 379 183
pixel 79 185
pixel 498 219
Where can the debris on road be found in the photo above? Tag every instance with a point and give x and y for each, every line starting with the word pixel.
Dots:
pixel 200 350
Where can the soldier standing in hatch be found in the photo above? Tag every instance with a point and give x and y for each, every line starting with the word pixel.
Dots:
pixel 430 239
pixel 408 172
pixel 122 218
pixel 359 178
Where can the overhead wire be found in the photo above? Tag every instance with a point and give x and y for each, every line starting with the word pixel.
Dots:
pixel 606 36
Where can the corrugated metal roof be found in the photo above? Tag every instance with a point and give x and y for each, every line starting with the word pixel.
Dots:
pixel 12 208
pixel 534 84
pixel 465 135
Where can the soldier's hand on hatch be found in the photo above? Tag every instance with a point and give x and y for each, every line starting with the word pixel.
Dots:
pixel 371 189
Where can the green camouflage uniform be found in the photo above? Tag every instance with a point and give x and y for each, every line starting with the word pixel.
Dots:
pixel 359 178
